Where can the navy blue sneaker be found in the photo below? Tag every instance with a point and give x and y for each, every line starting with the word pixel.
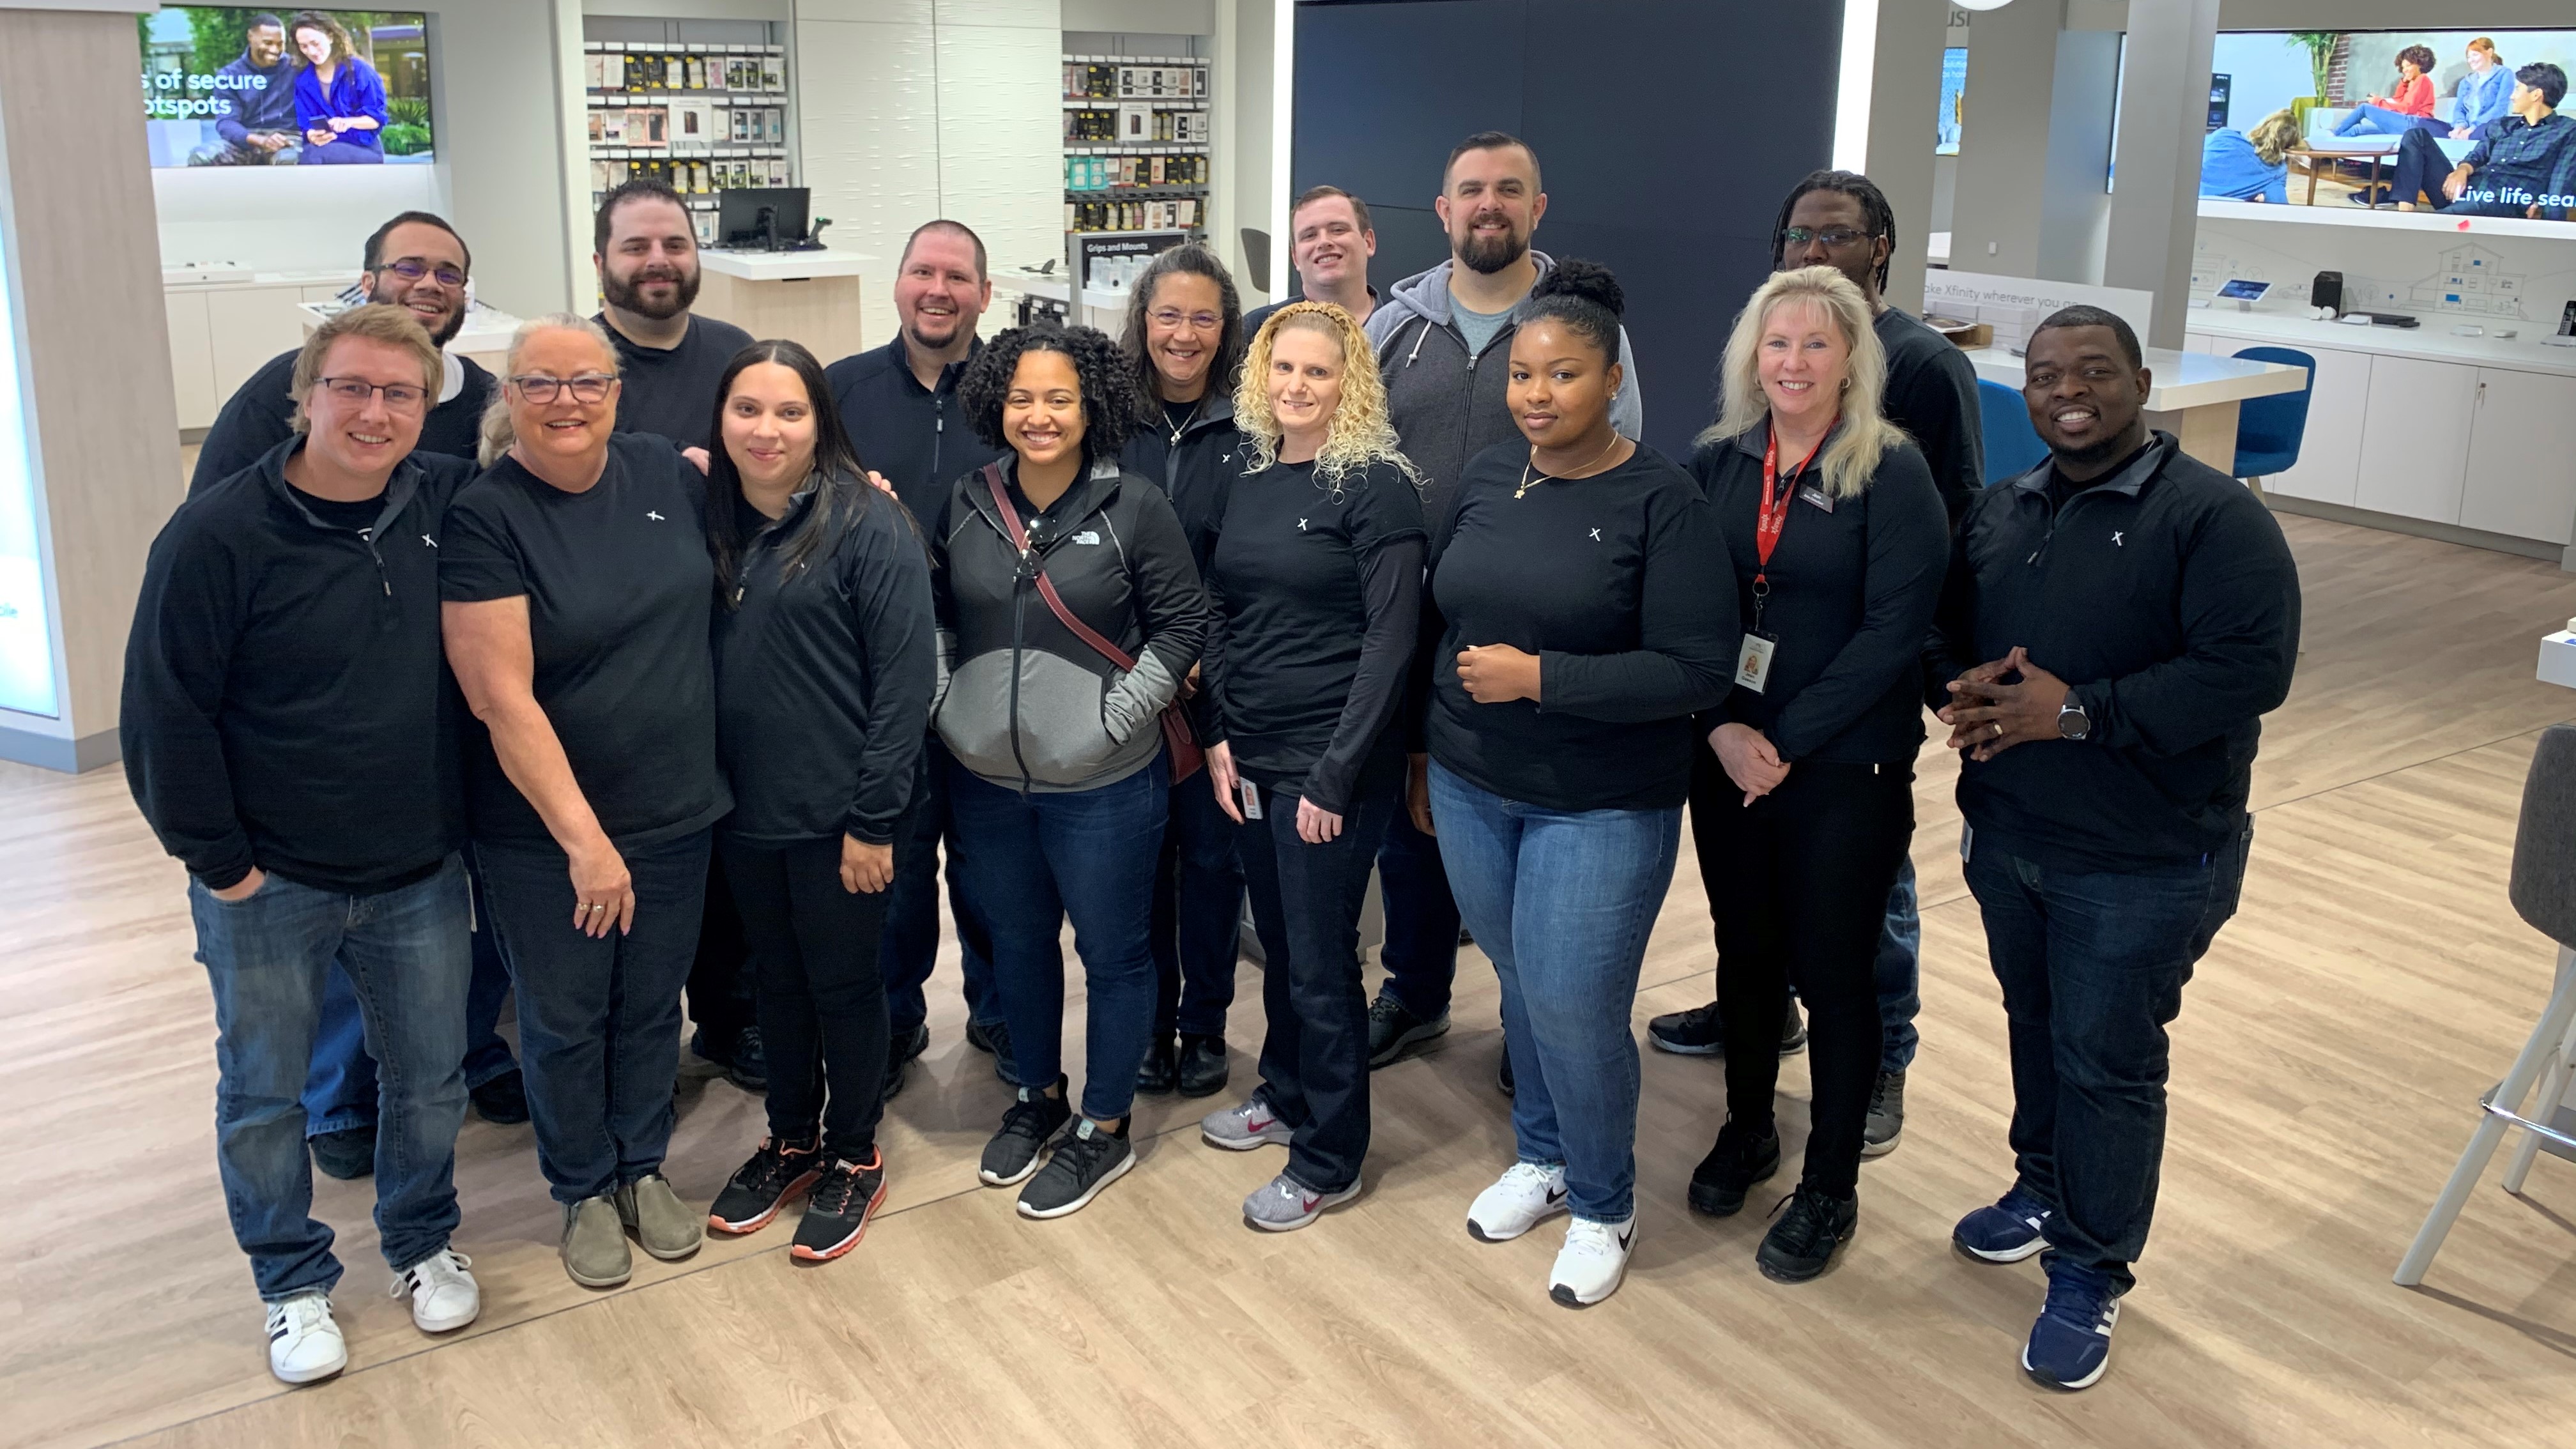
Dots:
pixel 2070 1345
pixel 2005 1233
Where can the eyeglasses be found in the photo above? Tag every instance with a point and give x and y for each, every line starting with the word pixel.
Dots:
pixel 1170 317
pixel 412 269
pixel 538 388
pixel 1835 238
pixel 401 397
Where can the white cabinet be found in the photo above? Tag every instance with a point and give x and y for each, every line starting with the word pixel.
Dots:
pixel 2415 443
pixel 192 359
pixel 2329 466
pixel 2522 456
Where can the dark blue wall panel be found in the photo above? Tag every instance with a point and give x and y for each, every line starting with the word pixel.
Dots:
pixel 1667 132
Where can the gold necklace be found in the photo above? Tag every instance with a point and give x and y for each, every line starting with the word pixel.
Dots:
pixel 1528 482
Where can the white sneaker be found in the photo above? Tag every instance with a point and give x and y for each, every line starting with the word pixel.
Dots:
pixel 303 1343
pixel 1525 1196
pixel 1593 1260
pixel 443 1295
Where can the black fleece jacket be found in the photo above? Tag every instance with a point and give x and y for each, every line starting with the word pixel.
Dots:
pixel 823 679
pixel 2165 596
pixel 261 415
pixel 915 437
pixel 1195 471
pixel 287 704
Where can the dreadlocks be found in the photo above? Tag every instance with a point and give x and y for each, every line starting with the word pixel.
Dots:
pixel 1880 216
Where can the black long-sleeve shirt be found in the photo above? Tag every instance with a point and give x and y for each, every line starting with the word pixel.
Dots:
pixel 1932 395
pixel 823 678
pixel 2165 596
pixel 1315 594
pixel 261 414
pixel 915 437
pixel 1853 582
pixel 287 704
pixel 1616 582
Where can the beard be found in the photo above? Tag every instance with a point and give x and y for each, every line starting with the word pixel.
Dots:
pixel 626 294
pixel 923 326
pixel 2109 449
pixel 439 336
pixel 1491 254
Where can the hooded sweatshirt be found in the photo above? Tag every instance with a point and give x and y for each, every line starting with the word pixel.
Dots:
pixel 1447 404
pixel 1023 701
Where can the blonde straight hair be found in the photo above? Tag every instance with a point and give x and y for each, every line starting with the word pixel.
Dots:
pixel 1865 435
pixel 498 435
pixel 377 322
pixel 1360 433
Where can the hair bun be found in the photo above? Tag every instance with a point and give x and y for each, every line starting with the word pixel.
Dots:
pixel 1591 281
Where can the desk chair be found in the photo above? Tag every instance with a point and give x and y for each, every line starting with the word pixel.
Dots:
pixel 2544 893
pixel 2012 445
pixel 2269 429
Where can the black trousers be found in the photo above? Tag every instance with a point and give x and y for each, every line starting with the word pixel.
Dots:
pixel 1798 884
pixel 821 999
pixel 2420 168
pixel 720 977
pixel 1306 904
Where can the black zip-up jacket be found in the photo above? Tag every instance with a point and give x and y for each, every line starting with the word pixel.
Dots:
pixel 287 703
pixel 916 438
pixel 823 680
pixel 1194 472
pixel 261 415
pixel 2167 599
pixel 1023 701
pixel 1853 584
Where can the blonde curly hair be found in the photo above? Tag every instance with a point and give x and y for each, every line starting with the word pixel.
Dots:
pixel 1360 433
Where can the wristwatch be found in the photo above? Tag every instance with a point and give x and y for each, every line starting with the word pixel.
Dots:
pixel 2072 722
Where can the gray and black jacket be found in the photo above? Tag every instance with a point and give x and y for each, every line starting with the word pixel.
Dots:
pixel 1025 703
pixel 1447 406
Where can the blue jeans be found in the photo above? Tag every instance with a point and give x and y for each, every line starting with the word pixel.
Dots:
pixel 267 958
pixel 1421 949
pixel 599 1018
pixel 1198 916
pixel 340 1090
pixel 2381 121
pixel 1306 904
pixel 2092 966
pixel 1900 973
pixel 1563 902
pixel 1088 854
pixel 911 946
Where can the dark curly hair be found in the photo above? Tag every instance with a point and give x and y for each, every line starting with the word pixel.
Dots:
pixel 2422 55
pixel 1111 411
pixel 1584 296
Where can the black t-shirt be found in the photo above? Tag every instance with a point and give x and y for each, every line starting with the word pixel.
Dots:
pixel 1290 578
pixel 618 585
pixel 1620 584
pixel 357 517
pixel 672 391
pixel 1932 395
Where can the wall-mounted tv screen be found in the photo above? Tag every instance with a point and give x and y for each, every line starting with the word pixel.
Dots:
pixel 229 85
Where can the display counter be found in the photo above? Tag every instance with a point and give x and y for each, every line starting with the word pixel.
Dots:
pixel 2191 394
pixel 227 322
pixel 808 297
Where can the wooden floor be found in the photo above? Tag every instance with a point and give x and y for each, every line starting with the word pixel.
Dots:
pixel 2325 1068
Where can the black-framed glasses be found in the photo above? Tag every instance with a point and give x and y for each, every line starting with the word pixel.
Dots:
pixel 1835 238
pixel 1173 317
pixel 589 387
pixel 401 397
pixel 412 269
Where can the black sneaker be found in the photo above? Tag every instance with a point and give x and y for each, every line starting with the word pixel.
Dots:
pixel 994 1037
pixel 1394 1030
pixel 1809 1232
pixel 502 1101
pixel 1161 1070
pixel 1886 1115
pixel 1086 1159
pixel 837 1213
pixel 1697 1032
pixel 1732 1167
pixel 762 1186
pixel 1793 1029
pixel 1503 1075
pixel 902 1046
pixel 1203 1066
pixel 348 1154
pixel 742 1060
pixel 1013 1153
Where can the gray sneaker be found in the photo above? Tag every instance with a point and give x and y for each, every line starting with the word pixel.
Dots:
pixel 1886 1115
pixel 1281 1205
pixel 1085 1160
pixel 594 1243
pixel 665 1226
pixel 1244 1126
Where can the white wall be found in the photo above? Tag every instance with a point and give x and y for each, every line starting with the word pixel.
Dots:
pixel 286 218
pixel 2003 147
pixel 2075 210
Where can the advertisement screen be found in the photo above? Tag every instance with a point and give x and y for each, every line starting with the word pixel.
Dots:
pixel 1954 88
pixel 229 85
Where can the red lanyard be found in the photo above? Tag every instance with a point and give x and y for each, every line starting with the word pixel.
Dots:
pixel 1771 520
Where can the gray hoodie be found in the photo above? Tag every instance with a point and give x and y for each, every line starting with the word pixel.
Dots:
pixel 1447 406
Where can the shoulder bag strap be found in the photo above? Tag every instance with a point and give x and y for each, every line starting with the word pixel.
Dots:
pixel 1037 568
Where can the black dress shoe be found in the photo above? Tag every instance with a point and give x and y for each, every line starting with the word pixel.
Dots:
pixel 1203 1068
pixel 741 1057
pixel 905 1044
pixel 1161 1073
pixel 502 1100
pixel 347 1154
